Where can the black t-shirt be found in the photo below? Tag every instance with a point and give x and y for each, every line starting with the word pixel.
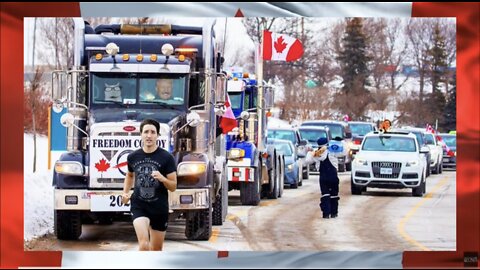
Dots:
pixel 147 188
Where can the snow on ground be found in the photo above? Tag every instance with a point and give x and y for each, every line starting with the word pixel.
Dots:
pixel 38 190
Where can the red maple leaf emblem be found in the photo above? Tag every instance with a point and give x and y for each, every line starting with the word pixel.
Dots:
pixel 280 45
pixel 102 166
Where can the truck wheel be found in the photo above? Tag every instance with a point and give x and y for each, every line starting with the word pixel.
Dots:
pixel 199 225
pixel 67 224
pixel 250 191
pixel 355 189
pixel 276 182
pixel 282 178
pixel 219 206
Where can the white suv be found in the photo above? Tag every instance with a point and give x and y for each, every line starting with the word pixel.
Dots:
pixel 436 151
pixel 389 160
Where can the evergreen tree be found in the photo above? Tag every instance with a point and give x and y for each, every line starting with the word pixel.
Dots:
pixel 353 58
pixel 435 101
pixel 450 111
pixel 438 56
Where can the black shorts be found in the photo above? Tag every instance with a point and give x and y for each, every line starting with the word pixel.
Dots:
pixel 158 216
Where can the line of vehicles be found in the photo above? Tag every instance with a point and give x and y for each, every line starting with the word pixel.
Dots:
pixel 108 92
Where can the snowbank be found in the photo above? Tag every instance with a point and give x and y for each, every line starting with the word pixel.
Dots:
pixel 38 190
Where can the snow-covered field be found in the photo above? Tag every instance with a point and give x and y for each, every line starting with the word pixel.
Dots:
pixel 38 191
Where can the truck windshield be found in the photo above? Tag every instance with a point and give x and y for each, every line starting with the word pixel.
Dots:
pixel 123 88
pixel 235 100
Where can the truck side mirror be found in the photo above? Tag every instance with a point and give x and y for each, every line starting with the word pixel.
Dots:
pixel 193 119
pixel 244 115
pixel 67 120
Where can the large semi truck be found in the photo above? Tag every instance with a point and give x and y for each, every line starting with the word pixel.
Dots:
pixel 110 89
pixel 254 168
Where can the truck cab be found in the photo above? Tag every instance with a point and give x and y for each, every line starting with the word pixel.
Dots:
pixel 123 74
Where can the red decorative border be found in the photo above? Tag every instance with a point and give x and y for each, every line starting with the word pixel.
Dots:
pixel 11 98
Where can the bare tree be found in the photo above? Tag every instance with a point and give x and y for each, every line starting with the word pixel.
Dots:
pixel 419 33
pixel 57 40
pixel 34 95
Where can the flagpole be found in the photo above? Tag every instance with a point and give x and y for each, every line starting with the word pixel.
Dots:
pixel 260 105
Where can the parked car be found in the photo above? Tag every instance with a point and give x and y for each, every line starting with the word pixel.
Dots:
pixel 343 135
pixel 312 134
pixel 292 135
pixel 436 151
pixel 449 157
pixel 292 172
pixel 359 130
pixel 390 160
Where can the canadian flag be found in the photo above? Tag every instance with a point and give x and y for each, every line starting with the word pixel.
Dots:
pixel 228 121
pixel 281 47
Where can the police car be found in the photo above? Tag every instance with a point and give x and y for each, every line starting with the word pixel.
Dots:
pixel 389 160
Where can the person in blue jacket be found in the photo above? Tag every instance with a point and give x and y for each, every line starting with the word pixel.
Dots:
pixel 327 165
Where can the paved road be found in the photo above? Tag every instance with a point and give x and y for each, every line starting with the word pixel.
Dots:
pixel 380 219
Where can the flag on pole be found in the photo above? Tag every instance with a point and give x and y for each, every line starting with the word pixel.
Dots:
pixel 281 47
pixel 228 121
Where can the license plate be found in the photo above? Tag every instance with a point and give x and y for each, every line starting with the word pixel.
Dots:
pixel 108 203
pixel 446 160
pixel 385 170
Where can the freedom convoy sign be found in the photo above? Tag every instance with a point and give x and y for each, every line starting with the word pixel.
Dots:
pixel 108 154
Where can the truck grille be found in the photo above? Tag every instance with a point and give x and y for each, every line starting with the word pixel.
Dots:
pixel 118 134
pixel 395 166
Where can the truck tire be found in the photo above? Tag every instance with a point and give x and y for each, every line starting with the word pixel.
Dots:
pixel 355 189
pixel 67 224
pixel 282 178
pixel 276 182
pixel 220 205
pixel 199 225
pixel 250 191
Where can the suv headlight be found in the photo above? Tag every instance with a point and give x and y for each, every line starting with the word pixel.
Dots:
pixel 361 161
pixel 290 167
pixel 236 153
pixel 412 163
pixel 69 167
pixel 191 168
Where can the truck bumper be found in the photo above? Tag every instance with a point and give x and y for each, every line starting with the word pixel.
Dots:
pixel 78 199
pixel 189 199
pixel 181 199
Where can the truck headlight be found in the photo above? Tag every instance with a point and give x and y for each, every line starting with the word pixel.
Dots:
pixel 361 161
pixel 412 163
pixel 69 167
pixel 191 168
pixel 236 153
